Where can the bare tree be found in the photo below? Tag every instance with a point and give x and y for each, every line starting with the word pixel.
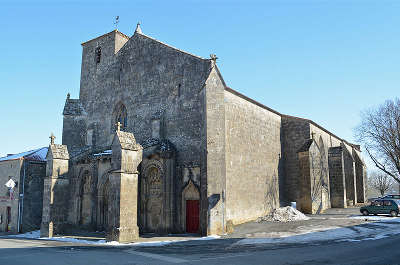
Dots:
pixel 380 181
pixel 379 132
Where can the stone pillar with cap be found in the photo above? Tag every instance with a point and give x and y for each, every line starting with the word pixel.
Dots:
pixel 55 193
pixel 138 29
pixel 126 157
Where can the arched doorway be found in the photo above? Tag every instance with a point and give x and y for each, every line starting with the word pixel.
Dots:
pixel 85 199
pixel 191 208
pixel 105 205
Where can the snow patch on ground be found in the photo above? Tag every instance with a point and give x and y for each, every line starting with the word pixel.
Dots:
pixel 32 234
pixel 358 233
pixel 36 235
pixel 380 218
pixel 284 214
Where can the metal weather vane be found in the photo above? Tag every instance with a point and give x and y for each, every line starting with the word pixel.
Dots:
pixel 116 22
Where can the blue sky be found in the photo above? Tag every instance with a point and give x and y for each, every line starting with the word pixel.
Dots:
pixel 322 60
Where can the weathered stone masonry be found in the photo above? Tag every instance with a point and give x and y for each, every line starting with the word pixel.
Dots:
pixel 209 157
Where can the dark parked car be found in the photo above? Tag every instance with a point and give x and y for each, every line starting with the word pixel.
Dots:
pixel 382 206
pixel 391 196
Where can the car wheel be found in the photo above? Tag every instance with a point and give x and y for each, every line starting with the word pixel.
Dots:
pixel 393 213
pixel 365 212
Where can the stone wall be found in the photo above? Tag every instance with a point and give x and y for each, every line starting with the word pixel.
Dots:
pixel 304 202
pixel 154 82
pixel 11 168
pixel 337 177
pixel 314 181
pixel 213 182
pixel 295 132
pixel 109 44
pixel 253 157
pixel 361 180
pixel 161 89
pixel 350 175
pixel 33 195
pixel 325 140
pixel 56 188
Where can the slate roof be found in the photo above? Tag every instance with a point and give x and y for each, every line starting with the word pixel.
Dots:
pixel 35 155
pixel 104 153
pixel 163 145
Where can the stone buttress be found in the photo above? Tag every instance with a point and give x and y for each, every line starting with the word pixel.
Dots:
pixel 126 157
pixel 55 193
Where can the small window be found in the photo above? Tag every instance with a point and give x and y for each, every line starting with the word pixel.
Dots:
pixel 98 54
pixel 377 203
pixel 387 203
pixel 121 116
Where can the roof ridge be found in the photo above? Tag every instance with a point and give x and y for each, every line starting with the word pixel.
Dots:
pixel 20 154
pixel 172 47
pixel 285 115
pixel 320 127
pixel 227 88
pixel 115 30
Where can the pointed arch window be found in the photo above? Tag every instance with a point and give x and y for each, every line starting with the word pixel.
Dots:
pixel 121 116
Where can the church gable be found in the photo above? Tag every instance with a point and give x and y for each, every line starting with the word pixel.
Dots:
pixel 147 77
pixel 172 71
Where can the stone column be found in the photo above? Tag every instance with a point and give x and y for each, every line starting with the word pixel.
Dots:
pixel 126 156
pixel 337 177
pixel 55 193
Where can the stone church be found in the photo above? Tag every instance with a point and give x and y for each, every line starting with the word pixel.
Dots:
pixel 158 143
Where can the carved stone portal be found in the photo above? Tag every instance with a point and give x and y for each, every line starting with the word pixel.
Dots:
pixel 154 199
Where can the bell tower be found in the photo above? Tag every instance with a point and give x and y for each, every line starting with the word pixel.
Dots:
pixel 97 55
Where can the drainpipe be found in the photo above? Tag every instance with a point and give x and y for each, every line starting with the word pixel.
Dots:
pixel 19 212
pixel 223 212
pixel 21 199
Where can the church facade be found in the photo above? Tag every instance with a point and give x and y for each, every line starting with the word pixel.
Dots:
pixel 158 143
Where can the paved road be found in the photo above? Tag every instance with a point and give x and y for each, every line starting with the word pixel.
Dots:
pixel 222 251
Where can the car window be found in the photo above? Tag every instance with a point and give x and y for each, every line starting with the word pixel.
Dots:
pixel 377 203
pixel 387 203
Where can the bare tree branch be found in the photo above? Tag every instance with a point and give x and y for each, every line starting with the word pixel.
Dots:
pixel 380 182
pixel 381 166
pixel 379 132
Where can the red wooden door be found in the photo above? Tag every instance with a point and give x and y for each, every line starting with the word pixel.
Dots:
pixel 192 216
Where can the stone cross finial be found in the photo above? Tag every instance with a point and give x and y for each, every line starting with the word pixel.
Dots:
pixel 52 137
pixel 213 57
pixel 118 126
pixel 68 95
